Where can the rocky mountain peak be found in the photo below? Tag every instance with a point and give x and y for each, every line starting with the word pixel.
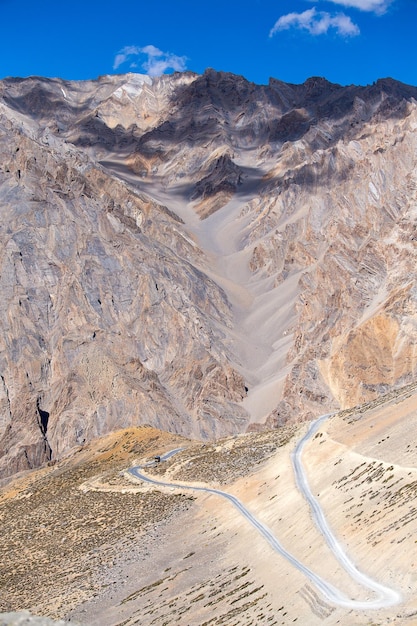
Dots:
pixel 200 253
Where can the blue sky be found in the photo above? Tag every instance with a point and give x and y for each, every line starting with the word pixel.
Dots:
pixel 346 41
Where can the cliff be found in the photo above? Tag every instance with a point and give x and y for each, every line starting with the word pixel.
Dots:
pixel 201 254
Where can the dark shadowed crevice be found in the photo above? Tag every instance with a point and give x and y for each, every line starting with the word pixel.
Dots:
pixel 43 419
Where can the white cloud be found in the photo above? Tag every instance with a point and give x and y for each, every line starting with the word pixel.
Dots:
pixel 123 55
pixel 156 62
pixel 317 23
pixel 152 51
pixel 375 6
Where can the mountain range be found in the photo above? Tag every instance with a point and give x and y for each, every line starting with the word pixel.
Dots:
pixel 200 254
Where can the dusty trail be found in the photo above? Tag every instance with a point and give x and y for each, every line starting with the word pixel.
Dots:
pixel 384 596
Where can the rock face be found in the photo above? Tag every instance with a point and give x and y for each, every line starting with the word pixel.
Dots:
pixel 200 253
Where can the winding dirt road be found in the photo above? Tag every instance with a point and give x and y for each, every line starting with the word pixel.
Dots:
pixel 383 596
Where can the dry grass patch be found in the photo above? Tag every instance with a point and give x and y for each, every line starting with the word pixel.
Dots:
pixel 227 459
pixel 55 537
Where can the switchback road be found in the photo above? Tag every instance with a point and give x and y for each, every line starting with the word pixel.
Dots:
pixel 382 596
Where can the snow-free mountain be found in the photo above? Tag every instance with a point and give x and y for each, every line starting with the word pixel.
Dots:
pixel 201 254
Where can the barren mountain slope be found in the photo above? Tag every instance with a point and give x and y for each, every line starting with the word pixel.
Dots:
pixel 84 541
pixel 200 253
pixel 106 321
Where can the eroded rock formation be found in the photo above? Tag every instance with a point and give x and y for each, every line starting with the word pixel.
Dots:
pixel 200 253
